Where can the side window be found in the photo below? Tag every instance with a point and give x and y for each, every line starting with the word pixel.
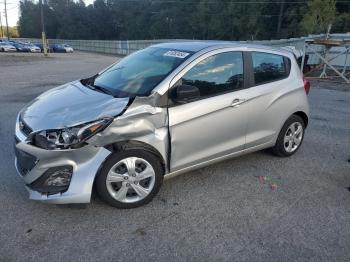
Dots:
pixel 216 74
pixel 268 67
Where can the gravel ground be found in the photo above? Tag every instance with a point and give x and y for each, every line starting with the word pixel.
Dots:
pixel 222 212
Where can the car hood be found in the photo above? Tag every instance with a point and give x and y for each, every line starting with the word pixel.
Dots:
pixel 69 105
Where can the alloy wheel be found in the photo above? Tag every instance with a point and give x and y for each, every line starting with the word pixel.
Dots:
pixel 293 137
pixel 130 180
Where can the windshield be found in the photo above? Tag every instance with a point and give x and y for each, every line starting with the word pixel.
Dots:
pixel 140 72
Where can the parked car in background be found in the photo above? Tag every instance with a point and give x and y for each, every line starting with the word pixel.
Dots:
pixel 49 47
pixel 33 48
pixel 59 48
pixel 7 47
pixel 56 48
pixel 24 46
pixel 68 48
pixel 21 47
pixel 164 110
pixel 13 42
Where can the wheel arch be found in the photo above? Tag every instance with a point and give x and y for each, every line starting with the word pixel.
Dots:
pixel 303 116
pixel 127 145
pixel 134 144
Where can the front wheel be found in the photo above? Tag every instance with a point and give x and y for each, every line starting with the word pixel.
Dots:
pixel 130 178
pixel 290 137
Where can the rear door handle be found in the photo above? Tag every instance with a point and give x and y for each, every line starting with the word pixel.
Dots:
pixel 237 102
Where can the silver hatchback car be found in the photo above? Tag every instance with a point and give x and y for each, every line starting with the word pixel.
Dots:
pixel 164 110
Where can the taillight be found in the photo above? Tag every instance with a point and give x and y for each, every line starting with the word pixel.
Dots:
pixel 307 86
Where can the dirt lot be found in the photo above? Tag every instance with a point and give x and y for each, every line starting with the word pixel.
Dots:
pixel 225 212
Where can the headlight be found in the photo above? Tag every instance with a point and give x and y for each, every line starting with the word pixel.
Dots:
pixel 71 137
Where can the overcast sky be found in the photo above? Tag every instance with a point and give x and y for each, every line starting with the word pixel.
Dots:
pixel 13 11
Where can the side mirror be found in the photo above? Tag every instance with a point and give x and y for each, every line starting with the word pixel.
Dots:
pixel 185 93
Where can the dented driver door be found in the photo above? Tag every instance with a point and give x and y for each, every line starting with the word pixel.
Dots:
pixel 215 124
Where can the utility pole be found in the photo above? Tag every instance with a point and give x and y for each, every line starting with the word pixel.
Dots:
pixel 7 25
pixel 2 32
pixel 280 18
pixel 43 35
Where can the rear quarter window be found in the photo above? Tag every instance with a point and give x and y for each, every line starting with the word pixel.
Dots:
pixel 269 67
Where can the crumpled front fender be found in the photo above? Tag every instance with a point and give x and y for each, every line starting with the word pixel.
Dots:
pixel 144 121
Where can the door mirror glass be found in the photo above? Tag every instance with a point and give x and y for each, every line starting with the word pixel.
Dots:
pixel 185 93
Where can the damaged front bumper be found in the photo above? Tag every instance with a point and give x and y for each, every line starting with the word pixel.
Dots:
pixel 143 122
pixel 32 162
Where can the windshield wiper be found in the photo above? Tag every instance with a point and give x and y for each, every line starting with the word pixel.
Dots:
pixel 100 89
pixel 90 83
pixel 91 80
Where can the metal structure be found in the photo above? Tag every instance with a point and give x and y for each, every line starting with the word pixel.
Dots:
pixel 325 58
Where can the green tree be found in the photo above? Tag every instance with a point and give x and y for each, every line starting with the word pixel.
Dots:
pixel 12 32
pixel 29 21
pixel 342 21
pixel 319 15
pixel 182 19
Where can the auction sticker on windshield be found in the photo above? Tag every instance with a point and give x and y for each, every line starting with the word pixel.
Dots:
pixel 177 54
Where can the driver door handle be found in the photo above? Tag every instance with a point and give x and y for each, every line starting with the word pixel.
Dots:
pixel 237 102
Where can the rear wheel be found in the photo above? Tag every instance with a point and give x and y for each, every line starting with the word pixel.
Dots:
pixel 290 137
pixel 130 178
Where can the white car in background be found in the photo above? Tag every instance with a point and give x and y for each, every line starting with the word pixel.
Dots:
pixel 68 48
pixel 34 48
pixel 5 47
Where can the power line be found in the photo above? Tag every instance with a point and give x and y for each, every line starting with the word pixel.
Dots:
pixel 226 1
pixel 221 14
pixel 12 8
pixel 194 2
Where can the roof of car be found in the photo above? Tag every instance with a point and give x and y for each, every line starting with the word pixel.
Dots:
pixel 195 46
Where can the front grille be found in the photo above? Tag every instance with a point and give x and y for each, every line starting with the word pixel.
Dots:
pixel 25 129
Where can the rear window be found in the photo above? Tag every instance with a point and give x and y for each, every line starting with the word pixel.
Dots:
pixel 269 67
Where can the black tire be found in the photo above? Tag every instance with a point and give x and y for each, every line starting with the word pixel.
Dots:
pixel 279 148
pixel 101 186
